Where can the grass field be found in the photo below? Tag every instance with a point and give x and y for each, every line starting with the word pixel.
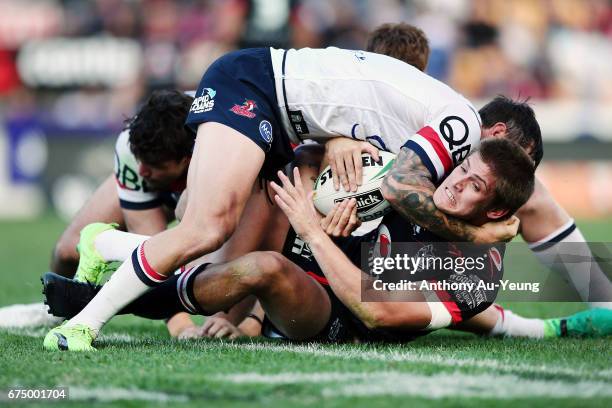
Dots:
pixel 138 364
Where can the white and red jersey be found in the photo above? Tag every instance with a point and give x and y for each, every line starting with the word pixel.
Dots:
pixel 132 189
pixel 324 93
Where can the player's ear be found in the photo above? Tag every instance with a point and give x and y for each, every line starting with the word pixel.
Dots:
pixel 499 129
pixel 496 213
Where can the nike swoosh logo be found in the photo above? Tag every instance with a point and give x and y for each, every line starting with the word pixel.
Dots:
pixel 62 342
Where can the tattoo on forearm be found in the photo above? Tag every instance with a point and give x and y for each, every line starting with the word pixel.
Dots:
pixel 411 189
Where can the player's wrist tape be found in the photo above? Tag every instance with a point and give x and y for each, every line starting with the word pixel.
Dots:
pixel 255 317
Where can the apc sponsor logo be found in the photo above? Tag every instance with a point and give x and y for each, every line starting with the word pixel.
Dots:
pixel 246 109
pixel 365 201
pixel 265 129
pixel 204 102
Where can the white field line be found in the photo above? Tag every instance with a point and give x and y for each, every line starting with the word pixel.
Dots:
pixel 118 394
pixel 27 331
pixel 27 315
pixel 455 384
pixel 116 338
pixel 442 358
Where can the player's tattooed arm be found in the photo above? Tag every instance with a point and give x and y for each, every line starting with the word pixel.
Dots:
pixel 409 190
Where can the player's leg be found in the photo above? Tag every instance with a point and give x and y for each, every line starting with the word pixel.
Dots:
pixel 499 322
pixel 258 228
pixel 292 300
pixel 103 206
pixel 219 182
pixel 263 226
pixel 297 305
pixel 553 237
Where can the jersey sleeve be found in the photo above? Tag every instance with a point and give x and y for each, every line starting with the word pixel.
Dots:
pixel 461 303
pixel 131 187
pixel 447 139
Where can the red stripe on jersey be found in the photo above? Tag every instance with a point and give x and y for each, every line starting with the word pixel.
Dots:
pixel 147 268
pixel 320 279
pixel 119 184
pixel 434 139
pixel 454 310
pixel 501 311
pixel 451 306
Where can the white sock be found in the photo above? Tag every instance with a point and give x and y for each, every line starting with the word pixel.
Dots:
pixel 116 245
pixel 565 251
pixel 512 325
pixel 133 278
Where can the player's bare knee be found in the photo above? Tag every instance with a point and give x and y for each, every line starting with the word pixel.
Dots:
pixel 260 270
pixel 271 263
pixel 207 232
pixel 198 239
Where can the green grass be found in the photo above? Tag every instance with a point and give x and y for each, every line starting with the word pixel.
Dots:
pixel 444 369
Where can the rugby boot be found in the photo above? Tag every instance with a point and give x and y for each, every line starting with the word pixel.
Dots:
pixel 66 297
pixel 70 338
pixel 589 323
pixel 92 267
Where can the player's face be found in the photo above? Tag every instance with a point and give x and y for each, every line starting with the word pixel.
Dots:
pixel 161 176
pixel 467 191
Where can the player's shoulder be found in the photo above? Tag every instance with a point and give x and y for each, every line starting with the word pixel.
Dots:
pixel 456 118
pixel 123 152
pixel 122 144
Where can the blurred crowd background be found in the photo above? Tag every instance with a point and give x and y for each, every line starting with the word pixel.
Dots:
pixel 71 71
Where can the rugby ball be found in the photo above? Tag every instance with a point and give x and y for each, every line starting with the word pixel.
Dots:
pixel 370 202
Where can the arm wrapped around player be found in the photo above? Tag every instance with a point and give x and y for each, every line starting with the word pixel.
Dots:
pixel 409 190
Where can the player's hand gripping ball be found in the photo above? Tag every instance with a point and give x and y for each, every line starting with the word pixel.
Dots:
pixel 370 202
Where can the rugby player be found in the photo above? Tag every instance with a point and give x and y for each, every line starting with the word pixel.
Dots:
pixel 252 104
pixel 152 154
pixel 545 225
